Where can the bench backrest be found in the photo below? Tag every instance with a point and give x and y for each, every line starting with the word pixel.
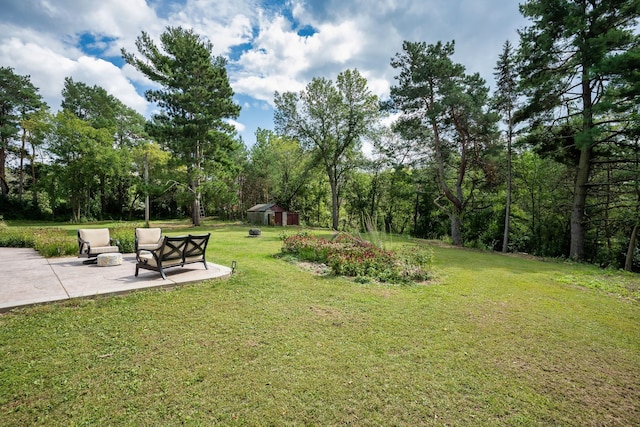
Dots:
pixel 97 237
pixel 172 248
pixel 183 248
pixel 196 246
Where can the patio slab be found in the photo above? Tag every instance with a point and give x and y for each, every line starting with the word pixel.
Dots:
pixel 26 278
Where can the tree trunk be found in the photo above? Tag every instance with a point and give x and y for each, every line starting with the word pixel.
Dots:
pixel 103 197
pixel 76 210
pixel 456 203
pixel 507 213
pixel 195 212
pixel 21 172
pixel 416 213
pixel 628 263
pixel 195 204
pixel 195 187
pixel 578 229
pixel 146 190
pixel 456 229
pixel 3 174
pixel 334 205
pixel 32 158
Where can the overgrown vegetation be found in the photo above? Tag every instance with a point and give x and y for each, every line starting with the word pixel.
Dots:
pixel 348 255
pixel 56 241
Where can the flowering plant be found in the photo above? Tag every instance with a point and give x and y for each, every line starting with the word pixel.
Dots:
pixel 348 255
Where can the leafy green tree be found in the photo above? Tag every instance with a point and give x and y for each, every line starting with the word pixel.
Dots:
pixel 151 174
pixel 90 103
pixel 35 127
pixel 330 120
pixel 104 111
pixel 194 100
pixel 82 155
pixel 569 56
pixel 18 97
pixel 278 168
pixel 541 205
pixel 447 108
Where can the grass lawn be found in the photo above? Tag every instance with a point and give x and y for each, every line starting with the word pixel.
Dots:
pixel 493 340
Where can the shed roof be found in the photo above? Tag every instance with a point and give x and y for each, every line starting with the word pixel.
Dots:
pixel 261 207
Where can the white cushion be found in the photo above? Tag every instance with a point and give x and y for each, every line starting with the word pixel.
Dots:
pixel 148 236
pixel 96 237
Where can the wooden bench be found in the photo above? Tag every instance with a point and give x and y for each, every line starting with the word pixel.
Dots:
pixel 174 251
pixel 95 241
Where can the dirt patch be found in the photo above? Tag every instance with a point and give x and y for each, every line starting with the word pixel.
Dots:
pixel 313 267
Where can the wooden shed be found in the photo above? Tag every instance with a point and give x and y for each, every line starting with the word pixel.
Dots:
pixel 271 214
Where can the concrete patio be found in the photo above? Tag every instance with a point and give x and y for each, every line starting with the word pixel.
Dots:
pixel 26 278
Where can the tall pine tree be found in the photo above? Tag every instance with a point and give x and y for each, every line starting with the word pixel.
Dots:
pixel 570 54
pixel 504 100
pixel 194 100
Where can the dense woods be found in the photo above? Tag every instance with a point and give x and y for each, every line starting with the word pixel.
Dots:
pixel 543 159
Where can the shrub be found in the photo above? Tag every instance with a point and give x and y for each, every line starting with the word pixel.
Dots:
pixel 126 237
pixel 416 262
pixel 47 241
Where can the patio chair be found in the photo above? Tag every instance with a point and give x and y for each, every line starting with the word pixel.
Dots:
pixel 95 241
pixel 148 239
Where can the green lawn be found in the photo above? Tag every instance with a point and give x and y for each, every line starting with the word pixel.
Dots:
pixel 493 340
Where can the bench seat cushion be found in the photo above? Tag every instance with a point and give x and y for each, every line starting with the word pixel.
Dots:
pixel 149 246
pixel 147 257
pixel 193 259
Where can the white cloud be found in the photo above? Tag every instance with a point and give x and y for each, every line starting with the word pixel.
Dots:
pixel 48 70
pixel 239 126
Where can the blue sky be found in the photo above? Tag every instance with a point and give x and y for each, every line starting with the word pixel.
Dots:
pixel 271 45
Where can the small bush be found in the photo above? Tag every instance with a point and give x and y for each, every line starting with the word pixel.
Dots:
pixel 49 242
pixel 126 237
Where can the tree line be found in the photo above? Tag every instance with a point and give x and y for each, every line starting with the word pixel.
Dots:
pixel 546 163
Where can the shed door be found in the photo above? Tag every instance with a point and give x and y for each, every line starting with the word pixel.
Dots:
pixel 278 218
pixel 292 218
